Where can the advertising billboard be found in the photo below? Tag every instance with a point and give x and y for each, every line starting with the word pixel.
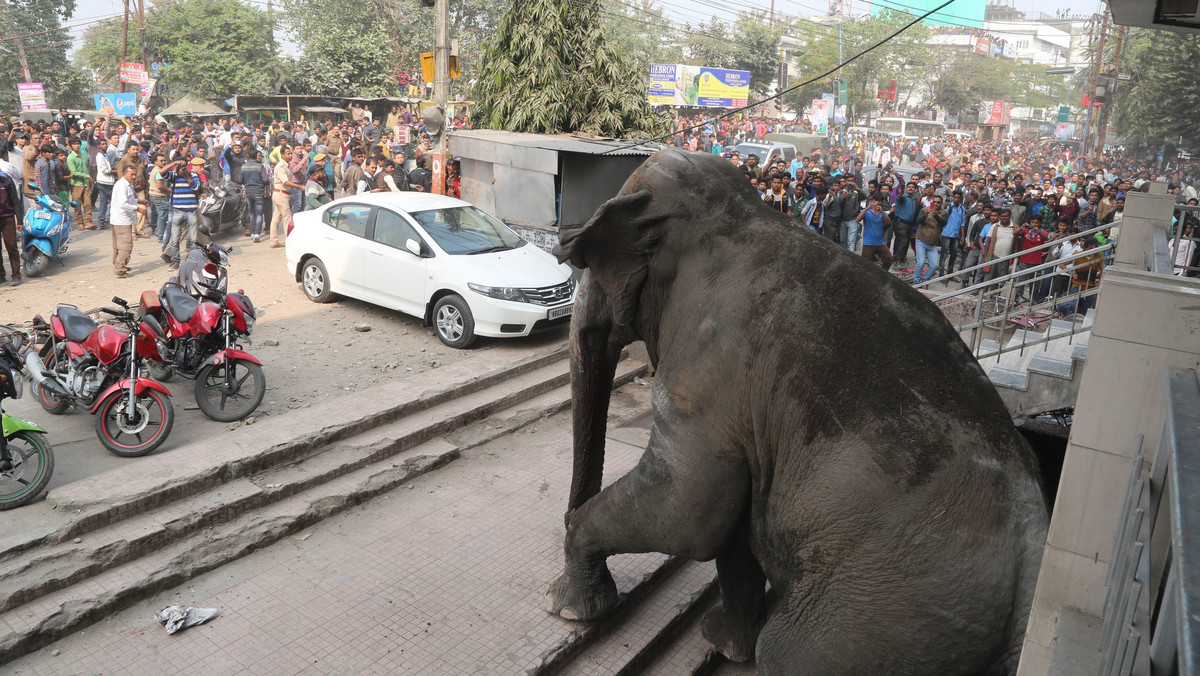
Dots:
pixel 133 73
pixel 674 84
pixel 116 104
pixel 994 112
pixel 32 95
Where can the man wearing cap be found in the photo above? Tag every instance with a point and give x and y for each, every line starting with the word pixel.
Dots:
pixel 283 181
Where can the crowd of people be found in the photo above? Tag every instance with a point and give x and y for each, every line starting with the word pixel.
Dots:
pixel 144 178
pixel 945 205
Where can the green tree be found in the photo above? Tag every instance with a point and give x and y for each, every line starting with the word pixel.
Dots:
pixel 963 79
pixel 397 31
pixel 346 49
pixel 640 29
pixel 194 38
pixel 46 50
pixel 907 59
pixel 758 49
pixel 549 69
pixel 1158 105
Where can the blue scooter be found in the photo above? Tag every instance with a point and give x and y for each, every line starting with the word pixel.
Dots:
pixel 46 233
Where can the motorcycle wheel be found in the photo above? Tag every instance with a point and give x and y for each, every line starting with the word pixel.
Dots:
pixel 35 262
pixel 49 401
pixel 249 386
pixel 160 371
pixel 141 435
pixel 32 468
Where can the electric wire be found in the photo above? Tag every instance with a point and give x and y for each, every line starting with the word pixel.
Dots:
pixel 780 93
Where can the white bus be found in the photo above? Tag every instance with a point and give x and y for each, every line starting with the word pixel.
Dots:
pixel 908 127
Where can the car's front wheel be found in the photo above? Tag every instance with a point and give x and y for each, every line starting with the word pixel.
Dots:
pixel 454 323
pixel 314 279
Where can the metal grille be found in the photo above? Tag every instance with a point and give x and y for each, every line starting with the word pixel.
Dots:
pixel 551 295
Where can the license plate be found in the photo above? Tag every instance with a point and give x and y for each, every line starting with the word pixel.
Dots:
pixel 560 312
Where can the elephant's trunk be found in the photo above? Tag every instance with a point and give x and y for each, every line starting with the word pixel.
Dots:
pixel 594 357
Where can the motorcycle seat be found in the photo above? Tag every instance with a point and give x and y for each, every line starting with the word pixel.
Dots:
pixel 179 304
pixel 76 325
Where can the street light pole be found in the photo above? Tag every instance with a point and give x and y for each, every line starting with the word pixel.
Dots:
pixel 441 89
pixel 125 42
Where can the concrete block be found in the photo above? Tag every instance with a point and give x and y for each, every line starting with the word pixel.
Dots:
pixel 1051 367
pixel 1076 649
pixel 1066 580
pixel 1089 500
pixel 1035 660
pixel 1002 377
pixel 1158 310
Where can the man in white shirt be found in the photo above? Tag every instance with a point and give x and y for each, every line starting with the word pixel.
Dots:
pixel 124 214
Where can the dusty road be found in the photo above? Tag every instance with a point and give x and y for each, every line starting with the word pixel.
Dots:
pixel 319 354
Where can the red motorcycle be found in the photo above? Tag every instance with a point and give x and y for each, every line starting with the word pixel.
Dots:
pixel 202 345
pixel 99 366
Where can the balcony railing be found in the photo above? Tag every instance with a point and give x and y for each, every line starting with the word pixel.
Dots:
pixel 1152 609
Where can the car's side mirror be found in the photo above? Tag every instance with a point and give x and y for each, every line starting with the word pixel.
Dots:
pixel 413 247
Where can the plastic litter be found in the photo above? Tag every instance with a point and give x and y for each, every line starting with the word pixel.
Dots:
pixel 640 381
pixel 177 618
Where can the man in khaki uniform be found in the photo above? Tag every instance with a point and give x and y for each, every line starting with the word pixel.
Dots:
pixel 282 181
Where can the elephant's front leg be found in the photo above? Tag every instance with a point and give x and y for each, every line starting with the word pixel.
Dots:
pixel 683 498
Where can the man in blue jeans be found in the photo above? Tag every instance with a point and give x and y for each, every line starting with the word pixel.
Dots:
pixel 851 196
pixel 930 223
pixel 185 186
pixel 160 198
pixel 956 221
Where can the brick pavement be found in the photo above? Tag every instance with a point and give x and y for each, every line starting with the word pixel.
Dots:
pixel 445 575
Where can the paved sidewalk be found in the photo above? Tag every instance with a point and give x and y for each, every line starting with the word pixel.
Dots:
pixel 445 575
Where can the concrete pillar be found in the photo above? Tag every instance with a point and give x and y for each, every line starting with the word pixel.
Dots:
pixel 1144 323
pixel 1142 212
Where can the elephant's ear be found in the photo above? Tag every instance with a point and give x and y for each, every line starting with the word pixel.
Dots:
pixel 616 245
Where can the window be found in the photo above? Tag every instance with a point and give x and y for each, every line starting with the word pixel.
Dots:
pixel 351 218
pixel 466 230
pixel 391 229
pixel 890 126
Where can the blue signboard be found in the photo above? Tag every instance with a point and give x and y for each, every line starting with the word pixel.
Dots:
pixel 117 104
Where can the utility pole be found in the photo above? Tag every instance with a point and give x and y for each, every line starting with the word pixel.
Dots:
pixel 125 41
pixel 772 23
pixel 141 19
pixel 1097 66
pixel 20 42
pixel 1114 70
pixel 441 88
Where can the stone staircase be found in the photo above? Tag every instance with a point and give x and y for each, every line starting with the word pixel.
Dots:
pixel 1033 377
pixel 96 546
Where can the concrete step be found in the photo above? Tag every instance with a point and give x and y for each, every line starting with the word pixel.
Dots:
pixel 82 506
pixel 54 589
pixel 628 642
pixel 690 654
pixel 443 574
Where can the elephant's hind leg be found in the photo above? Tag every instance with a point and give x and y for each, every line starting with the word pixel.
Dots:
pixel 681 499
pixel 733 626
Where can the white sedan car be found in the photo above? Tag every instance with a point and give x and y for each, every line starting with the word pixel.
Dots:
pixel 434 257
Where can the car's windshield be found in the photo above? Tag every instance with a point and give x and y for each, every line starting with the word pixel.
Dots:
pixel 466 230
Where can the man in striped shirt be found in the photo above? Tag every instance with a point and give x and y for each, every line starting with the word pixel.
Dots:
pixel 185 186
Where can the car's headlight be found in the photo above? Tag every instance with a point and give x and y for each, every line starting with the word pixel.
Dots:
pixel 500 292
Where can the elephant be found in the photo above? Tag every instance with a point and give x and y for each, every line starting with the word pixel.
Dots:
pixel 819 429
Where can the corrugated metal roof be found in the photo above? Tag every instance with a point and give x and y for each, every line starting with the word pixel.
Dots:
pixel 571 143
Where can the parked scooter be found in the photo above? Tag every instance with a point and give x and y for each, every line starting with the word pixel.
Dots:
pixel 26 457
pixel 99 367
pixel 222 209
pixel 46 233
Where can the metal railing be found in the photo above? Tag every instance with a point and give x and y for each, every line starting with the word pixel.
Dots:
pixel 1185 261
pixel 1152 607
pixel 993 307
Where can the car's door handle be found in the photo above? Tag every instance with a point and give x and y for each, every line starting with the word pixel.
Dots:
pixel 376 250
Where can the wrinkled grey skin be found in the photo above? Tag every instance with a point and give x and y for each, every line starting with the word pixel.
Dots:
pixel 818 425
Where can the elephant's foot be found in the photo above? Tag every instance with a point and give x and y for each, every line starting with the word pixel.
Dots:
pixel 732 636
pixel 572 600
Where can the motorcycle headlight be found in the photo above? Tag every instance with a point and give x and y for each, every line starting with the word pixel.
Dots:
pixel 18 384
pixel 249 323
pixel 499 292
